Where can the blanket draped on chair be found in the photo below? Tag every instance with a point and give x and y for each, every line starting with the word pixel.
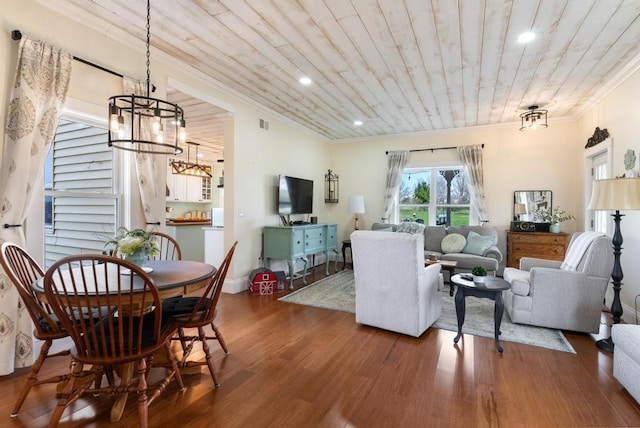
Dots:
pixel 578 249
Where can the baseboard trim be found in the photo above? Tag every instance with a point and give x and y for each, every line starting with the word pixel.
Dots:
pixel 236 285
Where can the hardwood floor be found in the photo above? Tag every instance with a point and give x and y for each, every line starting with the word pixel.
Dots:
pixel 297 366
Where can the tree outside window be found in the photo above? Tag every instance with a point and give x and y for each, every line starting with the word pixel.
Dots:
pixel 451 204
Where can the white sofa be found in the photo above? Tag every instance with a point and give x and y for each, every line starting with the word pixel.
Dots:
pixel 394 290
pixel 626 357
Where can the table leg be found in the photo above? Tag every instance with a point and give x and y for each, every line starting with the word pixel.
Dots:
pixel 304 272
pixel 344 256
pixel 499 310
pixel 121 399
pixel 460 309
pixel 291 268
pixel 451 273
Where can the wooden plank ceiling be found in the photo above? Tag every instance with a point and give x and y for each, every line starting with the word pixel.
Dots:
pixel 399 66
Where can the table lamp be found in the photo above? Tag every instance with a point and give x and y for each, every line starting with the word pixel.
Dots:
pixel 518 210
pixel 615 194
pixel 356 206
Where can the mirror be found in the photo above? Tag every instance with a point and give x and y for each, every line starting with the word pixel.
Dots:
pixel 525 202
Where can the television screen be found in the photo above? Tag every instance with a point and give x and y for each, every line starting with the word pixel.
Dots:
pixel 295 195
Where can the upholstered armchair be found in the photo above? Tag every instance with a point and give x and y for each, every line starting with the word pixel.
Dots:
pixel 565 295
pixel 394 290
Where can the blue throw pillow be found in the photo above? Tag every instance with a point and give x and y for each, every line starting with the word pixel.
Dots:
pixel 477 244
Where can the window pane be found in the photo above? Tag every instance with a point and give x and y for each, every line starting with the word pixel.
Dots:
pixel 453 216
pixel 452 188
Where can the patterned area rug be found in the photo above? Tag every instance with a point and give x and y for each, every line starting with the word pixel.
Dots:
pixel 337 292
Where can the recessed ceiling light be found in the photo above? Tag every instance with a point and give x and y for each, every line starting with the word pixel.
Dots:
pixel 357 122
pixel 526 37
pixel 305 80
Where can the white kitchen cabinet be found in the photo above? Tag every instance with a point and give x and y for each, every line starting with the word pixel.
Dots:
pixel 188 188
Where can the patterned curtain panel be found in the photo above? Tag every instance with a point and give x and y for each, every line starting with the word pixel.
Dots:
pixel 147 168
pixel 471 157
pixel 396 162
pixel 38 94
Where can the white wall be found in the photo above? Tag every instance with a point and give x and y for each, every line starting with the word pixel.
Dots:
pixel 546 159
pixel 619 113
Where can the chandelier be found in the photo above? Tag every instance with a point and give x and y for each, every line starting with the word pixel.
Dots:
pixel 188 168
pixel 533 118
pixel 143 124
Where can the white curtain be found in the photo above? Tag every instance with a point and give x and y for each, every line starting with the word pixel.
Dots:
pixel 396 162
pixel 471 157
pixel 38 93
pixel 152 193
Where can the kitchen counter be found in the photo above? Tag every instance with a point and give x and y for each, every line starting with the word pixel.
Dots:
pixel 188 223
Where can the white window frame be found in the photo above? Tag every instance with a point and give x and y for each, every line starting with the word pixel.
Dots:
pixel 433 205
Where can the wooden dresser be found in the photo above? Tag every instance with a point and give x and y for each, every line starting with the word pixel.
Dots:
pixel 542 245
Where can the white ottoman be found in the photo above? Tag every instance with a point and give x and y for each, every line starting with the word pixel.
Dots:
pixel 626 357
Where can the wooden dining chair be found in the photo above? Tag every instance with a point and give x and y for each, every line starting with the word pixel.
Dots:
pixel 198 312
pixel 169 247
pixel 23 271
pixel 130 331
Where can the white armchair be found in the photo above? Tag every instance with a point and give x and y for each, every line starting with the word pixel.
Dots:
pixel 544 294
pixel 394 290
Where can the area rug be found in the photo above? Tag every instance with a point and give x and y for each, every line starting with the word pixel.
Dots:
pixel 337 292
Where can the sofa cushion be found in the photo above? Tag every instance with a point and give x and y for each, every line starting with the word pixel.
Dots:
pixel 410 227
pixel 433 236
pixel 477 244
pixel 453 243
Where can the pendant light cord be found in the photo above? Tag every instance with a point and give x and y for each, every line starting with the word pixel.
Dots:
pixel 148 45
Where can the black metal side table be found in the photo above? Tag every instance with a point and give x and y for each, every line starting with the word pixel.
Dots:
pixel 491 289
pixel 346 244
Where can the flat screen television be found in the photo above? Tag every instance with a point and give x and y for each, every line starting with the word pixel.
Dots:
pixel 295 195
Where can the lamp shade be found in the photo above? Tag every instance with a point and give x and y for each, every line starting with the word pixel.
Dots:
pixel 615 194
pixel 520 208
pixel 356 205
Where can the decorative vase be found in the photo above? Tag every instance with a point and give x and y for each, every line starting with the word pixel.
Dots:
pixel 138 258
pixel 554 227
pixel 477 278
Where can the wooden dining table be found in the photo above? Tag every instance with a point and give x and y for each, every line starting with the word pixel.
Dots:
pixel 172 278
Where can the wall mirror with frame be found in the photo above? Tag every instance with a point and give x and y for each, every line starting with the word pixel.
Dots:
pixel 525 202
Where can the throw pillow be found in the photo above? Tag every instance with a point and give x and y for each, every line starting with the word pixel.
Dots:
pixel 477 244
pixel 410 227
pixel 384 229
pixel 453 243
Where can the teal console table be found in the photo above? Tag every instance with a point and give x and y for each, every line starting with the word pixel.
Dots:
pixel 291 243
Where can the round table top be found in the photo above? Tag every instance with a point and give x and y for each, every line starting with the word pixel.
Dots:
pixel 491 283
pixel 172 277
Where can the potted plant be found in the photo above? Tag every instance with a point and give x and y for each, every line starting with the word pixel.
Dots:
pixel 135 245
pixel 479 273
pixel 553 216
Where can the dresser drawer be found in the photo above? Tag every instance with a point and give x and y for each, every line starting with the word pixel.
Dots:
pixel 550 246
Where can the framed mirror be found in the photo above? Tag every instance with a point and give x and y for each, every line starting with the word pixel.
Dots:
pixel 525 202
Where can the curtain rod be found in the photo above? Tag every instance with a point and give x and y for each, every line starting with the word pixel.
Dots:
pixel 17 35
pixel 432 150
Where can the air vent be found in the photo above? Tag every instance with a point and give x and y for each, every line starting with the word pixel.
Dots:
pixel 264 124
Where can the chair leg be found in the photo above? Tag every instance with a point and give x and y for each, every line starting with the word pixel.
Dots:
pixel 68 395
pixel 33 377
pixel 207 353
pixel 220 338
pixel 171 356
pixel 143 405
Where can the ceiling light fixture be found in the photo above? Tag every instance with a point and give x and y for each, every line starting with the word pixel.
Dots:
pixel 188 168
pixel 526 37
pixel 305 80
pixel 533 118
pixel 357 122
pixel 143 124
